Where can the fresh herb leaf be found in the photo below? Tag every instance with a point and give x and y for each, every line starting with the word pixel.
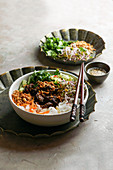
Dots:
pixel 22 85
pixel 82 49
pixel 57 72
pixel 51 53
pixel 42 75
pixel 52 47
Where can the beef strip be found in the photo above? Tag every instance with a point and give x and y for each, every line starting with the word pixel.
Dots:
pixel 48 104
pixel 45 93
pixel 39 98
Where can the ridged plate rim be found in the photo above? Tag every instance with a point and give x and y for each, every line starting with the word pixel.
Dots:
pixel 30 69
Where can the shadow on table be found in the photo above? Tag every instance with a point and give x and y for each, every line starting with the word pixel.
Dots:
pixel 26 144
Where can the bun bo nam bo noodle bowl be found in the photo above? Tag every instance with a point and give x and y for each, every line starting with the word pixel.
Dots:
pixel 45 97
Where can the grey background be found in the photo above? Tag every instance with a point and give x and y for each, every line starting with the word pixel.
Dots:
pixel 22 25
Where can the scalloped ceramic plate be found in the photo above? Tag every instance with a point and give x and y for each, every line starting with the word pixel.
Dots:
pixel 74 35
pixel 11 122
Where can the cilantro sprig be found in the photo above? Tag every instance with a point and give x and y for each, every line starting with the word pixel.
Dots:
pixel 42 75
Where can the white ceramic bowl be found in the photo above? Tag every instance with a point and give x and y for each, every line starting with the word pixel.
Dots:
pixel 39 119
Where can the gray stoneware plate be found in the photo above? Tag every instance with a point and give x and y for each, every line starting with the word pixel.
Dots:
pixel 74 34
pixel 11 122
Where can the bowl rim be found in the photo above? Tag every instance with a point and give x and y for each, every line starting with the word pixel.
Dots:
pixel 96 62
pixel 48 115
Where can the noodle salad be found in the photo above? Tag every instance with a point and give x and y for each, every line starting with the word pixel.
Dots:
pixel 68 50
pixel 46 93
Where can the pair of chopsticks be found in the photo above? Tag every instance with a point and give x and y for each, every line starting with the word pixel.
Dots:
pixel 80 87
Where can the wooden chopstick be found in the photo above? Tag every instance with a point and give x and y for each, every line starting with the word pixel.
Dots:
pixel 82 106
pixel 74 107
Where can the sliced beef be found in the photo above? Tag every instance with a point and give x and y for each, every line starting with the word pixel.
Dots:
pixel 33 92
pixel 48 104
pixel 54 101
pixel 39 98
pixel 26 89
pixel 45 93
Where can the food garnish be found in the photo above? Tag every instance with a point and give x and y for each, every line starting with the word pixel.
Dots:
pixel 68 50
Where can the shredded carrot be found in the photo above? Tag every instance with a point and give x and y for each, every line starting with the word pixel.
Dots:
pixel 24 105
pixel 34 107
pixel 44 112
pixel 24 99
pixel 30 110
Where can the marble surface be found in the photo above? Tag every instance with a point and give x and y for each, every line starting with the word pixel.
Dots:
pixel 22 25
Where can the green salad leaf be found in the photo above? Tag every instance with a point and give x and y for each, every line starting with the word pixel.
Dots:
pixel 23 83
pixel 51 53
pixel 82 49
pixel 42 75
pixel 52 46
pixel 57 72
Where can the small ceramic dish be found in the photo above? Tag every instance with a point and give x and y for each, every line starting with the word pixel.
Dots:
pixel 39 119
pixel 97 72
